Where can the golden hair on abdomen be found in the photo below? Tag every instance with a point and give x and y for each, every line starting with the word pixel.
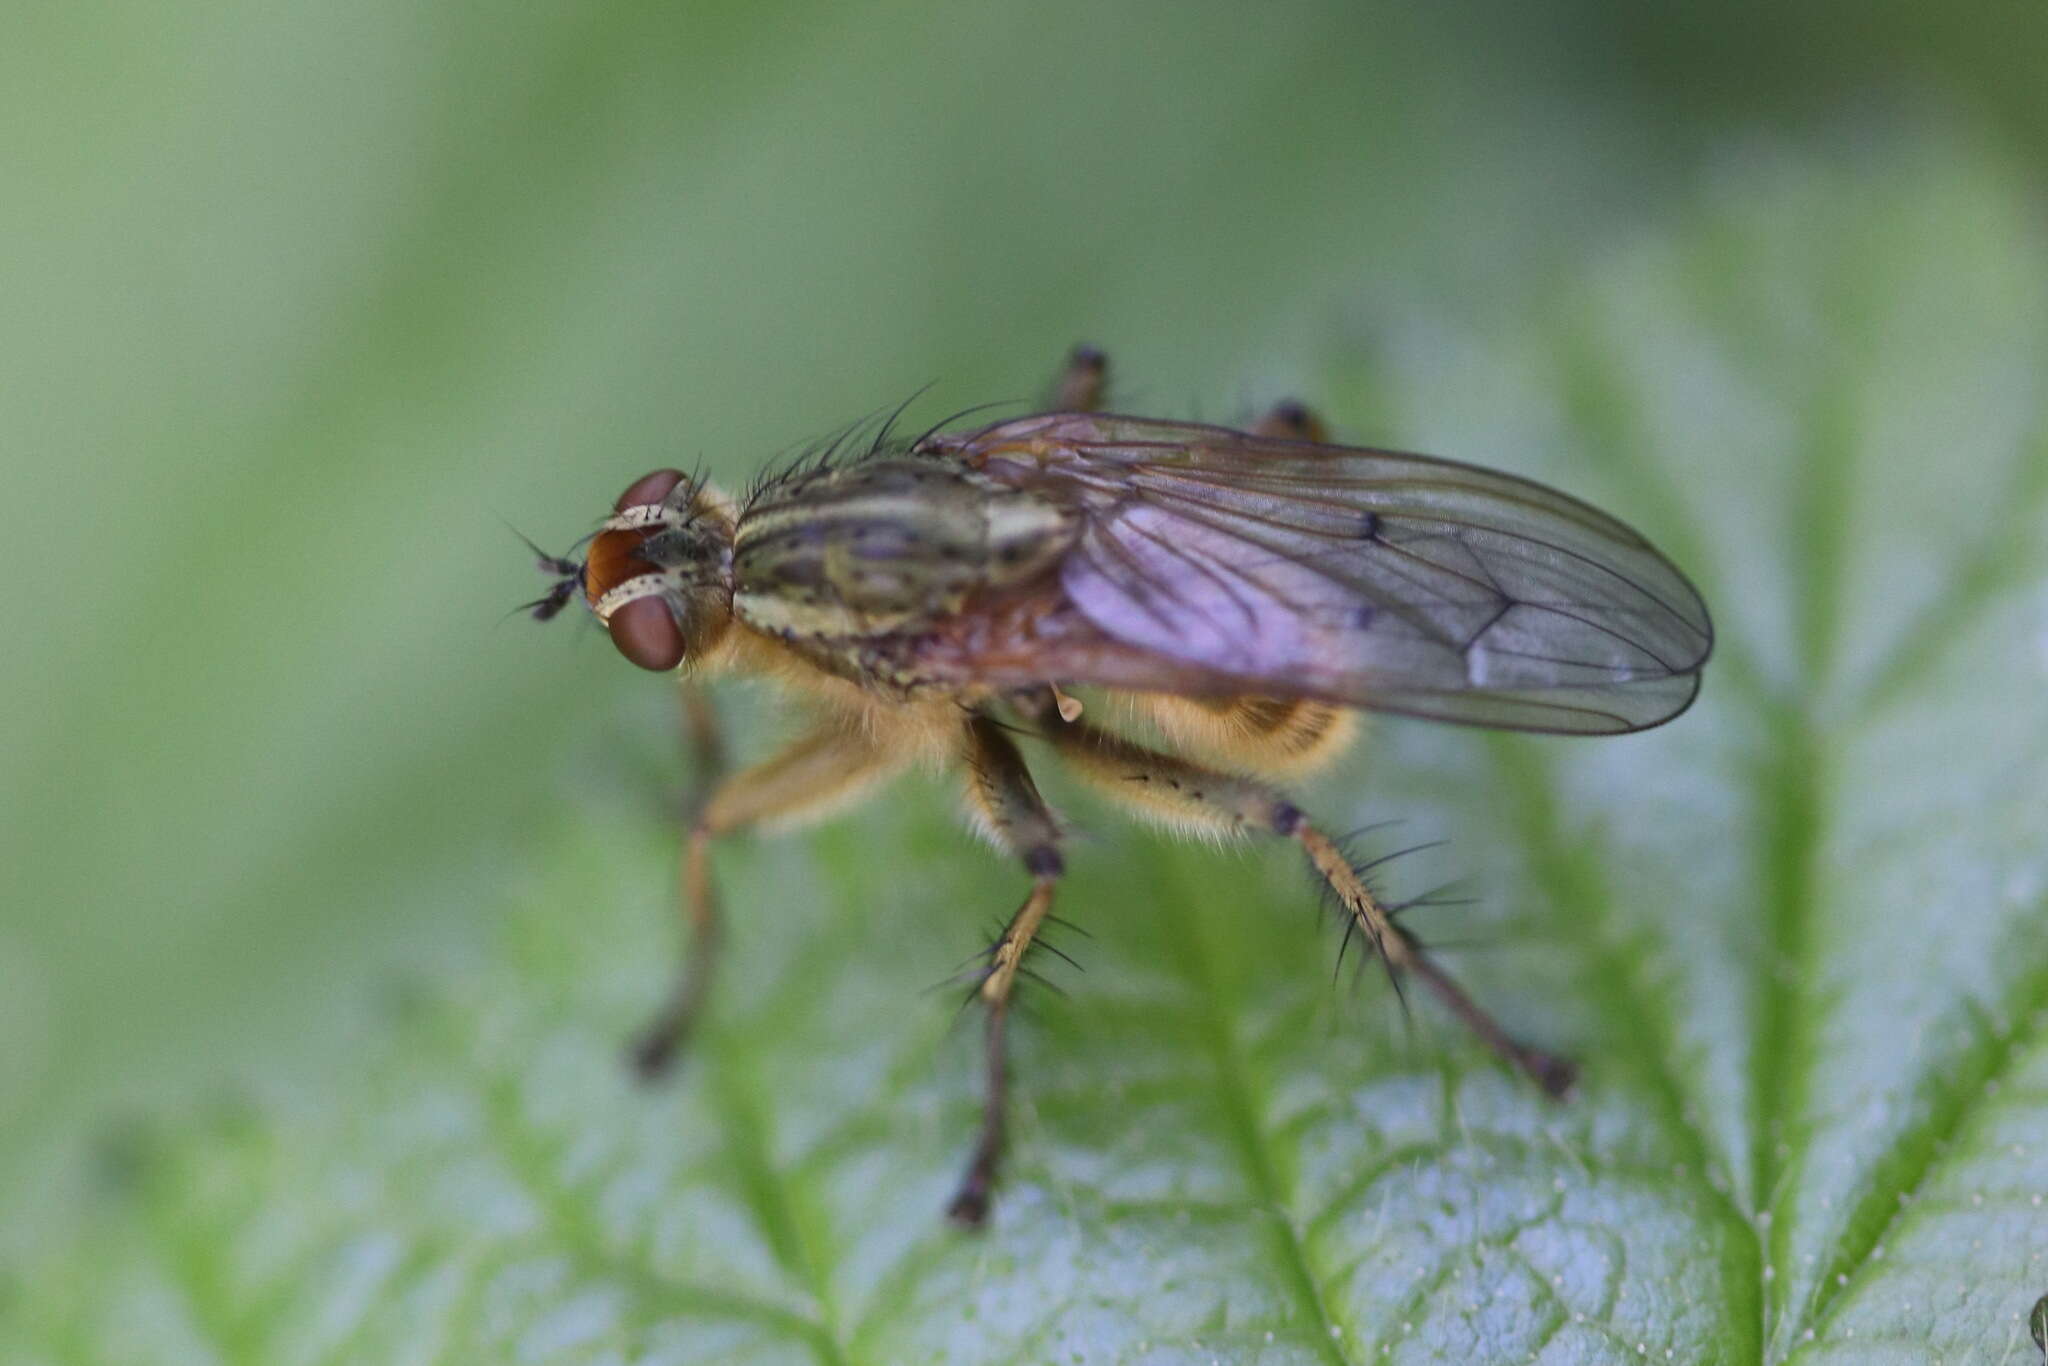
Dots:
pixel 1275 735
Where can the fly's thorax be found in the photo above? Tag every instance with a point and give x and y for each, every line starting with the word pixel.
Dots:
pixel 886 546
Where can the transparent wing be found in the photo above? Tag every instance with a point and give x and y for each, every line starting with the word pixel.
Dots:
pixel 1397 582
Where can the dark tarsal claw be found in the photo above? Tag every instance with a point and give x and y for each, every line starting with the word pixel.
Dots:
pixel 969 1206
pixel 652 1054
pixel 1553 1074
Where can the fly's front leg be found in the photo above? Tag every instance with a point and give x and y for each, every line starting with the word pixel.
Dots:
pixel 1188 796
pixel 654 1048
pixel 704 743
pixel 1003 794
pixel 824 768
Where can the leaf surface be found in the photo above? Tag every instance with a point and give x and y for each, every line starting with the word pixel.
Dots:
pixel 1795 938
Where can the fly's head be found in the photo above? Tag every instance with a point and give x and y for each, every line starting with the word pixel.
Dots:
pixel 658 573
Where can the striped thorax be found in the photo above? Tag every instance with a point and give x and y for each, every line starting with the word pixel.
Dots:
pixel 886 547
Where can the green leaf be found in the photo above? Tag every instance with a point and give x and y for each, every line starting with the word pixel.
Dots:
pixel 1795 938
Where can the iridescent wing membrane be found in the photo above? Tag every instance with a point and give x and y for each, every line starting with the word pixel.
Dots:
pixel 1397 582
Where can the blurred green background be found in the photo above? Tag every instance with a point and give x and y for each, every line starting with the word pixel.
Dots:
pixel 303 300
pixel 303 303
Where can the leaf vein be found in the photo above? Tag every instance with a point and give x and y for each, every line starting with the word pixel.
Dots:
pixel 1933 1148
pixel 1242 1113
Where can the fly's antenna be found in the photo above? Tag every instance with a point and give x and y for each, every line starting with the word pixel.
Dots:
pixel 568 576
pixel 549 564
pixel 549 606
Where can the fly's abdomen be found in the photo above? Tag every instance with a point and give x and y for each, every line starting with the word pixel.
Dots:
pixel 883 547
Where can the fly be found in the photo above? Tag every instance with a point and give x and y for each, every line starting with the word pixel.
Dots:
pixel 1244 591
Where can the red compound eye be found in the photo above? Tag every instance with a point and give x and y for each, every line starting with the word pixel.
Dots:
pixel 646 633
pixel 644 629
pixel 649 488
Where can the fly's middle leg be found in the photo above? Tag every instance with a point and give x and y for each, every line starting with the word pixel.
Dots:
pixel 1003 794
pixel 1083 383
pixel 1083 387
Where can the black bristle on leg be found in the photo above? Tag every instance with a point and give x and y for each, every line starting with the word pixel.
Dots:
pixel 1552 1074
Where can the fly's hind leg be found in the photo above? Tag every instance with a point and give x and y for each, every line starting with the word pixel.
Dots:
pixel 824 768
pixel 1292 419
pixel 1273 736
pixel 1083 387
pixel 1187 796
pixel 1003 794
